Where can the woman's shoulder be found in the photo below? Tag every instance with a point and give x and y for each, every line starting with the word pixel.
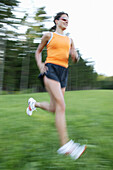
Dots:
pixel 47 35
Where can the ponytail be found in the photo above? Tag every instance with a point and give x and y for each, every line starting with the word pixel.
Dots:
pixel 53 28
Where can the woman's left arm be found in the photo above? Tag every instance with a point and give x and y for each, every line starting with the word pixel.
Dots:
pixel 73 52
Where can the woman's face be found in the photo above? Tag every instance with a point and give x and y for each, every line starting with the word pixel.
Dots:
pixel 62 22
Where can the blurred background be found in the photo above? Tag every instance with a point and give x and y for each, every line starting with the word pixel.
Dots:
pixel 20 33
pixel 30 143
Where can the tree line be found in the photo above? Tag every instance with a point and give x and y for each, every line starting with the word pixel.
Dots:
pixel 18 69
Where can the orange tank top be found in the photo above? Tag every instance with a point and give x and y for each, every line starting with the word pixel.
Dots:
pixel 58 50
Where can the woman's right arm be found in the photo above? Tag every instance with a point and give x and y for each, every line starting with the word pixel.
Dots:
pixel 73 52
pixel 40 64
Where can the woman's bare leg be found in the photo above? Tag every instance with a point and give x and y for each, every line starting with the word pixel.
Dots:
pixel 55 90
pixel 50 107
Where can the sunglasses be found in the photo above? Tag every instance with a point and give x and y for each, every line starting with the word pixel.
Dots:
pixel 64 19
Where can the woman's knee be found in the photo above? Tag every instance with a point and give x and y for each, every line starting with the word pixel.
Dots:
pixel 52 104
pixel 52 109
pixel 61 105
pixel 58 105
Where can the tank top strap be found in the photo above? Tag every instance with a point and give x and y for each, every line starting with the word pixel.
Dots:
pixel 50 38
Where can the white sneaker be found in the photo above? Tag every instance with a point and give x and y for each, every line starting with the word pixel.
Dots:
pixel 75 150
pixel 65 149
pixel 78 151
pixel 31 107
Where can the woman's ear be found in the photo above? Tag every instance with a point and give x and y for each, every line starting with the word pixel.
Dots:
pixel 56 21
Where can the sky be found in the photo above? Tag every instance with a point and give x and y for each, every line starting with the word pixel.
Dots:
pixel 90 26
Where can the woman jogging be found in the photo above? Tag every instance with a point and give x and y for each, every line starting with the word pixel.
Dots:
pixel 55 73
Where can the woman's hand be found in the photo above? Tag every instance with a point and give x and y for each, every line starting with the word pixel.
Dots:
pixel 43 68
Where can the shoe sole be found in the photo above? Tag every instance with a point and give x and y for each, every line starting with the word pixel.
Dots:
pixel 81 152
pixel 77 153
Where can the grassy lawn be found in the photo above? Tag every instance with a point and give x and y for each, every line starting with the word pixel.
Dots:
pixel 30 143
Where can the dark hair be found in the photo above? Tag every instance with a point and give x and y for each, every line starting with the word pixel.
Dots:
pixel 57 17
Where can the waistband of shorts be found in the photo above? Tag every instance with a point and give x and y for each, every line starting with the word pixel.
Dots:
pixel 57 65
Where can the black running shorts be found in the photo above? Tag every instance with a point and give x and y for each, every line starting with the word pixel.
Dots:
pixel 56 72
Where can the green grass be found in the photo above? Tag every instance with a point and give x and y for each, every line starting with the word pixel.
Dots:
pixel 30 143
